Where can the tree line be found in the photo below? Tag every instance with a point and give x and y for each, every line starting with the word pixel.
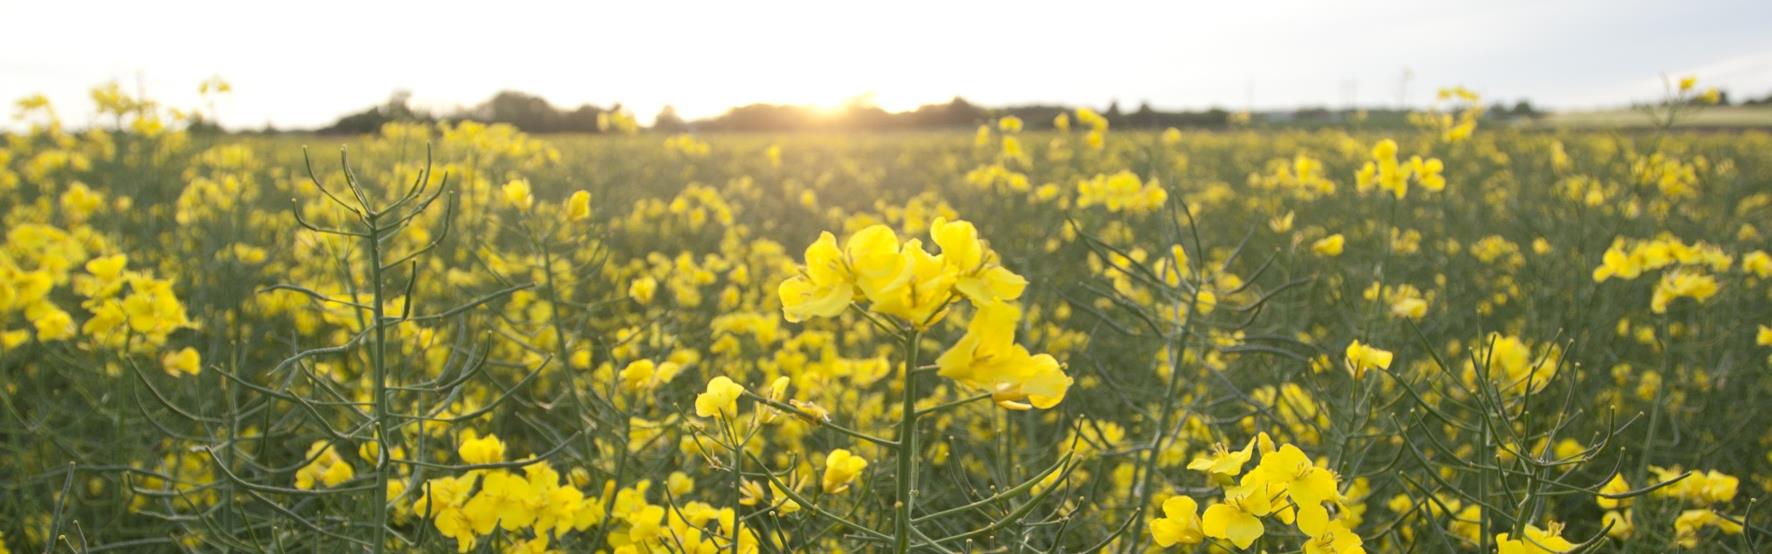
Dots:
pixel 534 114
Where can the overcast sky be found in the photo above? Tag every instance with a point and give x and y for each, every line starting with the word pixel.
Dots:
pixel 303 63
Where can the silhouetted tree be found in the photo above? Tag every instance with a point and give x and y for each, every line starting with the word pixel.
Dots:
pixel 372 119
pixel 668 121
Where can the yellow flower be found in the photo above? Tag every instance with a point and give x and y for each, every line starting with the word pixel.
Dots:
pixel 1410 307
pixel 107 268
pixel 505 500
pixel 1009 124
pixel 750 493
pixel 183 362
pixel 1238 519
pixel 1363 357
pixel 840 468
pixel 1281 224
pixel 987 357
pixel 905 282
pixel 1758 263
pixel 1717 487
pixel 578 206
pixel 1687 82
pixel 1329 246
pixel 1682 283
pixel 1618 524
pixel 720 400
pixel 824 287
pixel 980 280
pixel 1535 541
pixel 1122 191
pixel 1180 523
pixel 1764 338
pixel 1223 465
pixel 482 450
pixel 1615 486
pixel 442 499
pixel 1690 522
pixel 516 194
pixel 640 375
pixel 325 468
pixel 679 484
pixel 53 324
pixel 1428 172
pixel 643 289
pixel 1335 539
pixel 1306 484
pixel 1512 366
pixel 643 524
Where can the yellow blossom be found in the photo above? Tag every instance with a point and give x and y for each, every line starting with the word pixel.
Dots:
pixel 1329 246
pixel 720 399
pixel 840 468
pixel 185 361
pixel 1180 523
pixel 578 206
pixel 1363 357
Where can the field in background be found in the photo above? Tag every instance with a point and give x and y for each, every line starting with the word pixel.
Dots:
pixel 1722 117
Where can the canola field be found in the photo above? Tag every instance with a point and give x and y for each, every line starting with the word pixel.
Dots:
pixel 461 338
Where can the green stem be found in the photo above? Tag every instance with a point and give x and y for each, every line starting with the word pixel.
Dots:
pixel 907 446
pixel 378 365
pixel 737 486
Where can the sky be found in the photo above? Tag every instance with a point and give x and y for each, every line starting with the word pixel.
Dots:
pixel 304 63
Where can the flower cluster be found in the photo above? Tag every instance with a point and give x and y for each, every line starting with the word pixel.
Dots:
pixel 1121 191
pixel 1388 174
pixel 324 467
pixel 1302 176
pixel 1512 365
pixel 1627 260
pixel 474 504
pixel 904 281
pixel 1703 491
pixel 1285 485
pixel 128 309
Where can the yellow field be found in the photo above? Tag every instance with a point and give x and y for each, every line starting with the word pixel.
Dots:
pixel 462 338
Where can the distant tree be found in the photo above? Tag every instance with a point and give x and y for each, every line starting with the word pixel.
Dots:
pixel 1215 117
pixel 1145 116
pixel 581 120
pixel 203 126
pixel 668 121
pixel 525 111
pixel 371 120
pixel 956 113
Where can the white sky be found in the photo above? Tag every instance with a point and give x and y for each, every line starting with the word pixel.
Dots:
pixel 304 63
